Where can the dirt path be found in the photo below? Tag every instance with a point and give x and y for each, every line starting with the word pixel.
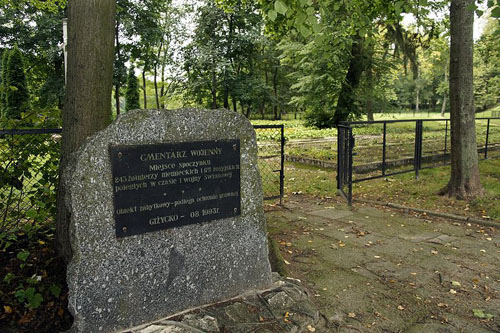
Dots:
pixel 377 270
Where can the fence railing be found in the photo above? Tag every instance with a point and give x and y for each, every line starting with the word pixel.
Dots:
pixel 271 143
pixel 29 162
pixel 390 147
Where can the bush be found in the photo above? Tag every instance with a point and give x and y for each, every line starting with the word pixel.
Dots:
pixel 132 94
pixel 15 89
pixel 319 118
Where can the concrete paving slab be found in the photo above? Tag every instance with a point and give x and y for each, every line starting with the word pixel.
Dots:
pixel 383 271
pixel 331 214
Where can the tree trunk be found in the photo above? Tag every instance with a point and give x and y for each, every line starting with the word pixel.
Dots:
pixel 117 99
pixel 369 79
pixel 144 89
pixel 417 101
pixel 464 181
pixel 443 106
pixel 214 86
pixel 157 97
pixel 87 107
pixel 226 97
pixel 163 92
pixel 275 92
pixel 345 103
pixel 162 89
pixel 117 83
pixel 235 102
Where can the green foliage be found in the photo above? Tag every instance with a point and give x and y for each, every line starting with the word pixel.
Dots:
pixel 487 67
pixel 23 255
pixel 319 119
pixel 28 177
pixel 46 5
pixel 3 81
pixel 147 32
pixel 35 27
pixel 15 87
pixel 481 314
pixel 29 296
pixel 295 129
pixel 132 94
pixel 231 64
pixel 55 290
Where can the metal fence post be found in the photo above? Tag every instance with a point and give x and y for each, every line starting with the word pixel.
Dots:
pixel 383 149
pixel 282 170
pixel 445 141
pixel 417 159
pixel 339 156
pixel 351 144
pixel 487 138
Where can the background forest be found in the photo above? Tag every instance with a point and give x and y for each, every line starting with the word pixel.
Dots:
pixel 326 61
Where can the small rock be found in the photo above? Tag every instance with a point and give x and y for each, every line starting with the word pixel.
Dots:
pixel 281 300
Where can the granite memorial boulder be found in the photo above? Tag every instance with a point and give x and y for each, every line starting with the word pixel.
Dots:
pixel 166 215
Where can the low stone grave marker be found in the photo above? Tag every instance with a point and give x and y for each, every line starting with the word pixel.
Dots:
pixel 166 215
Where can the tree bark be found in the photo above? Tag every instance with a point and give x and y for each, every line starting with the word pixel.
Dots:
pixel 417 101
pixel 226 97
pixel 357 65
pixel 157 97
pixel 275 92
pixel 214 86
pixel 117 83
pixel 443 106
pixel 87 107
pixel 144 89
pixel 235 102
pixel 464 181
pixel 369 79
pixel 162 90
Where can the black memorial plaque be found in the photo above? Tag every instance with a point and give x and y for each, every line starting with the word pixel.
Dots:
pixel 168 185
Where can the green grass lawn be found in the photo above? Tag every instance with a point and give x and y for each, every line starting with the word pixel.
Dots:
pixel 400 137
pixel 403 189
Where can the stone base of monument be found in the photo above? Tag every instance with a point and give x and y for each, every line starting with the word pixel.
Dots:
pixel 286 307
pixel 166 215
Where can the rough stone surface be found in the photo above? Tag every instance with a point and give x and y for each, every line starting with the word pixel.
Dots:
pixel 261 312
pixel 119 283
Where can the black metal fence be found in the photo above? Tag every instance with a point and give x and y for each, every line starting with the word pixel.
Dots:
pixel 375 149
pixel 271 143
pixel 29 161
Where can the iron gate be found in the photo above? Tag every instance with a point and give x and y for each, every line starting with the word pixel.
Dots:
pixel 383 151
pixel 345 143
pixel 271 144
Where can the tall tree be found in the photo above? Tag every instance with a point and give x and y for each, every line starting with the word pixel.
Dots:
pixel 16 89
pixel 487 66
pixel 132 94
pixel 87 107
pixel 35 27
pixel 119 69
pixel 3 80
pixel 464 181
